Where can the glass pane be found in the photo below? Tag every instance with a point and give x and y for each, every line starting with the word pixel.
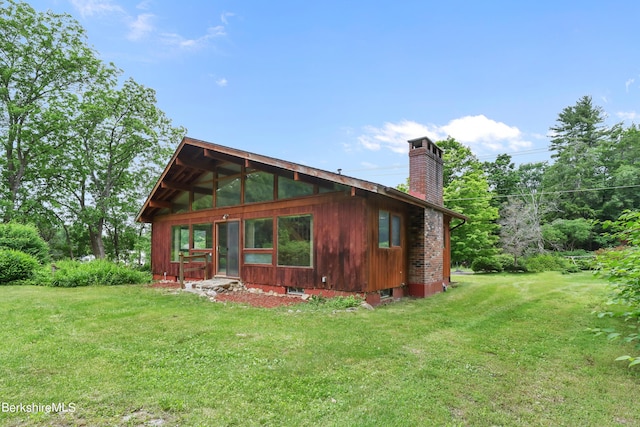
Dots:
pixel 395 230
pixel 258 233
pixel 332 187
pixel 258 187
pixel 383 229
pixel 179 241
pixel 233 243
pixel 295 241
pixel 228 192
pixel 202 236
pixel 228 169
pixel 203 193
pixel 202 201
pixel 288 188
pixel 181 202
pixel 222 248
pixel 265 258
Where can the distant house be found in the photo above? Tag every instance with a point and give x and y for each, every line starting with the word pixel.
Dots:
pixel 287 227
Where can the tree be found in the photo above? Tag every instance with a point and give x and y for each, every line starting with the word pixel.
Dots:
pixel 569 234
pixel 622 269
pixel 44 59
pixel 519 229
pixel 118 142
pixel 467 191
pixel 580 138
pixel 502 177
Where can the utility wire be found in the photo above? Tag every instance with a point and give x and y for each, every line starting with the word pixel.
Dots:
pixel 546 193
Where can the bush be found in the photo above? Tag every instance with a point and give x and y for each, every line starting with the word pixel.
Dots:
pixel 99 272
pixel 24 238
pixel 546 262
pixel 337 303
pixel 486 264
pixel 506 261
pixel 16 266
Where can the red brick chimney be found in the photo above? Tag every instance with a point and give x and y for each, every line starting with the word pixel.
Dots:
pixel 425 170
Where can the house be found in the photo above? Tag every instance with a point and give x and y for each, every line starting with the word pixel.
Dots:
pixel 286 227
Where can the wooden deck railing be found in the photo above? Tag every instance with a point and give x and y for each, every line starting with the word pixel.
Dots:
pixel 205 257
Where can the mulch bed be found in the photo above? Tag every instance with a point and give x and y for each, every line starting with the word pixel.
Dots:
pixel 250 298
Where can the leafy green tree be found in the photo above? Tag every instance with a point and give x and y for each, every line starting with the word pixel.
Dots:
pixel 466 190
pixel 569 234
pixel 622 160
pixel 502 177
pixel 44 59
pixel 622 269
pixel 117 144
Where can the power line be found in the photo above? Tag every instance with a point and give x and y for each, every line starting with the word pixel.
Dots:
pixel 547 193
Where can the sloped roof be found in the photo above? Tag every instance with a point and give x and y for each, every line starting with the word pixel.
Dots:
pixel 195 157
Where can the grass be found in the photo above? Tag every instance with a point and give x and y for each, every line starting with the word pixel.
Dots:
pixel 495 350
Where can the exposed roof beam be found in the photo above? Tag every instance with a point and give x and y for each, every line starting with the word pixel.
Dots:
pixel 184 187
pixel 206 166
pixel 160 204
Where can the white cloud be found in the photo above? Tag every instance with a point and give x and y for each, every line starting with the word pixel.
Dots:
pixel 478 132
pixel 141 27
pixel 222 82
pixel 628 83
pixel 394 136
pixel 144 5
pixel 175 39
pixel 628 115
pixel 95 7
pixel 224 17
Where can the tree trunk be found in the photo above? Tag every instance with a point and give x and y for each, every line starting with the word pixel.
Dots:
pixel 97 245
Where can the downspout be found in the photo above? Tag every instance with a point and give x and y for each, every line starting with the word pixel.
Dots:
pixel 464 221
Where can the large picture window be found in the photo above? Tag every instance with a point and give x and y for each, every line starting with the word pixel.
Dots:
pixel 295 241
pixel 389 230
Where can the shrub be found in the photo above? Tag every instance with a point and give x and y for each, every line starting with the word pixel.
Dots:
pixel 337 303
pixel 506 261
pixel 546 262
pixel 99 272
pixel 24 238
pixel 486 264
pixel 16 266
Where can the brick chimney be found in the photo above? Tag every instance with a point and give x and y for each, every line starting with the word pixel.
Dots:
pixel 425 170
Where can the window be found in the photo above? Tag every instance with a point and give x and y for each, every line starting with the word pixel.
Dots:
pixel 179 241
pixel 202 236
pixel 258 241
pixel 181 202
pixel 295 241
pixel 228 192
pixel 258 187
pixel 383 229
pixel 288 188
pixel 389 230
pixel 203 192
pixel 395 230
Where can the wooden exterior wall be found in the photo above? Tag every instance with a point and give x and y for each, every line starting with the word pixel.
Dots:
pixel 339 242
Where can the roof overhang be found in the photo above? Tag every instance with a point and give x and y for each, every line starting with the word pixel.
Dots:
pixel 193 157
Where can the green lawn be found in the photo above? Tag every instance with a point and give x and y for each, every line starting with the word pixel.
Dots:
pixel 506 350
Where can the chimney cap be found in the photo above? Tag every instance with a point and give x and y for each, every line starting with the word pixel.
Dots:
pixel 420 142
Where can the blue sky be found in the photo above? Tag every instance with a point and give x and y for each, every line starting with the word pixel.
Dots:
pixel 336 84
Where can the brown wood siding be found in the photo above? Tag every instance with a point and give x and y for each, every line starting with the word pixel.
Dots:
pixel 339 247
pixel 387 266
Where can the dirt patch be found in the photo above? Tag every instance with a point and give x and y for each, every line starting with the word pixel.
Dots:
pixel 254 299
